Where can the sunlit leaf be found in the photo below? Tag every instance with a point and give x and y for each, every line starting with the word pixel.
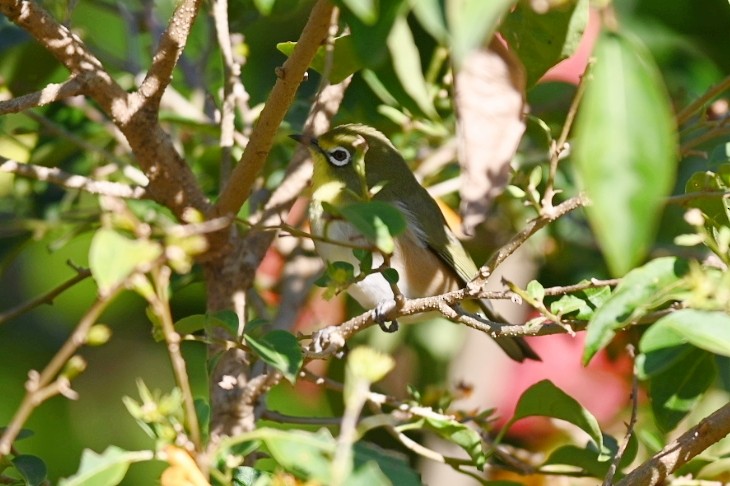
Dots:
pixel 305 454
pixel 707 330
pixel 344 61
pixel 105 469
pixel 407 65
pixel 547 400
pixel 641 290
pixel 461 435
pixel 472 23
pixel 625 149
pixel 113 257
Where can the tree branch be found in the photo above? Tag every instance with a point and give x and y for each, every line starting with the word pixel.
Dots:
pixel 655 471
pixel 46 298
pixel 72 181
pixel 244 174
pixel 53 92
pixel 170 48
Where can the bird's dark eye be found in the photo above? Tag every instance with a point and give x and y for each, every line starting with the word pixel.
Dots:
pixel 339 156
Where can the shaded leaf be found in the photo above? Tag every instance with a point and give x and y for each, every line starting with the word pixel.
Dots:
pixel 370 38
pixel 547 400
pixel 543 39
pixel 489 102
pixel 279 349
pixel 674 392
pixel 589 460
pixel 378 221
pixel 392 464
pixel 641 290
pixel 31 468
pixel 625 149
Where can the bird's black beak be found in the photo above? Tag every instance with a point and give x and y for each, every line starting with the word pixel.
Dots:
pixel 309 142
pixel 304 139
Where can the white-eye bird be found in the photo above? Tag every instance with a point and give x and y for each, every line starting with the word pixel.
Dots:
pixel 428 257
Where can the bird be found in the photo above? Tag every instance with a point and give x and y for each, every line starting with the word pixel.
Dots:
pixel 354 163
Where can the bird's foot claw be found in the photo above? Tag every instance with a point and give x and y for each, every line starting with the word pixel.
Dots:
pixel 327 341
pixel 381 312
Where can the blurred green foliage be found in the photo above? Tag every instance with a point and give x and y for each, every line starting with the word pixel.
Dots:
pixel 42 227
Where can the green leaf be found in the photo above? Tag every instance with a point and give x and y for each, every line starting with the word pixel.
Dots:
pixel 461 435
pixel 31 468
pixel 547 400
pixel 407 65
pixel 391 275
pixel 640 291
pixel 264 6
pixel 370 38
pixel 584 302
pixel 675 391
pixel 715 209
pixel 431 17
pixel 105 469
pixel 590 461
pixel 535 290
pixel 344 61
pixel 367 475
pixel 191 324
pixel 625 149
pixel 279 349
pixel 113 257
pixel 707 330
pixel 247 476
pixel 305 454
pixel 226 319
pixel 543 39
pixel 365 10
pixel 392 464
pixel 472 23
pixel 378 221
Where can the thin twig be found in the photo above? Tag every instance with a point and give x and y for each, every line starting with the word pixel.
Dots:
pixel 46 298
pixel 72 181
pixel 232 87
pixel 608 480
pixel 36 387
pixel 687 112
pixel 560 145
pixel 519 239
pixel 52 92
pixel 161 304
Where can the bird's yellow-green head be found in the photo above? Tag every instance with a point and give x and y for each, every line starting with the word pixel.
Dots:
pixel 351 160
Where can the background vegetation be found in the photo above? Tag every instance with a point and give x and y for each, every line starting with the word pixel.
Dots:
pixel 149 192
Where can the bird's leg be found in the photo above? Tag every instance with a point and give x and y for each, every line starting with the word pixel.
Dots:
pixel 385 308
pixel 389 307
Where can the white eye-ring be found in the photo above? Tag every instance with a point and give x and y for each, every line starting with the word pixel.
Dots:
pixel 339 156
